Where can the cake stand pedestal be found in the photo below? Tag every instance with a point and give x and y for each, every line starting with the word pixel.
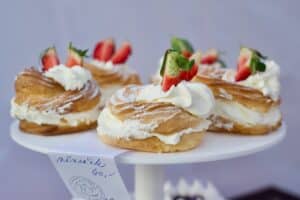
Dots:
pixel 149 174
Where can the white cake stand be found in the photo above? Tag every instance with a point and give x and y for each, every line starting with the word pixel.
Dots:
pixel 149 175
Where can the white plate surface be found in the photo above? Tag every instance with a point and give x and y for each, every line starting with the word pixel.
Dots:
pixel 214 147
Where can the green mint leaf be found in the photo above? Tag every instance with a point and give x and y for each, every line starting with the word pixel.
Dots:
pixel 256 64
pixel 259 54
pixel 180 45
pixel 260 66
pixel 182 62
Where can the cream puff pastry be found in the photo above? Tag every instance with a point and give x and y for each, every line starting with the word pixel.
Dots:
pixel 109 68
pixel 247 99
pixel 58 100
pixel 159 118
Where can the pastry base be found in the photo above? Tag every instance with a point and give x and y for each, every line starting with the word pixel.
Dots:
pixel 153 144
pixel 242 129
pixel 52 130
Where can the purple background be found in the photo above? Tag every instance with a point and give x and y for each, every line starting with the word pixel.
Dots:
pixel 272 26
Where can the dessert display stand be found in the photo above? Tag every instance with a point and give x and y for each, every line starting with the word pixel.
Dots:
pixel 149 173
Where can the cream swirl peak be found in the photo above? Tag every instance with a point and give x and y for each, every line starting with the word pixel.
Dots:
pixel 71 78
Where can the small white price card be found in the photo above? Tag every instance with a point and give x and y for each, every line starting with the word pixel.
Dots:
pixel 89 177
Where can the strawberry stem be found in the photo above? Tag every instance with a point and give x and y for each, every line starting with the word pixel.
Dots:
pixel 81 53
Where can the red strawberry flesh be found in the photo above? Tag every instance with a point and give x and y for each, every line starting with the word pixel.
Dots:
pixel 122 54
pixel 168 82
pixel 104 50
pixel 97 51
pixel 242 73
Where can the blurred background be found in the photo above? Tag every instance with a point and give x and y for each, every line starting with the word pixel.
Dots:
pixel 271 26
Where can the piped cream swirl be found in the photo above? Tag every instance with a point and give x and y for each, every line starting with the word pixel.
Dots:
pixel 71 78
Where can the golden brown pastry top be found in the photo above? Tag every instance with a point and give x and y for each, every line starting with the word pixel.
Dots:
pixel 168 117
pixel 106 78
pixel 43 93
pixel 227 91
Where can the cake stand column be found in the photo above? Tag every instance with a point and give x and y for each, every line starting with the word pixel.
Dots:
pixel 149 181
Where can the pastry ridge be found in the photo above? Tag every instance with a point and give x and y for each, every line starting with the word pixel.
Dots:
pixel 105 78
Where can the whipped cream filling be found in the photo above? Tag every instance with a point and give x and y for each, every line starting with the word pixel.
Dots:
pixel 267 82
pixel 241 114
pixel 71 78
pixel 51 117
pixel 134 129
pixel 196 98
pixel 122 69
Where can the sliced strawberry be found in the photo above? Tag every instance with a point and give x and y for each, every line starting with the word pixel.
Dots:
pixel 122 54
pixel 75 56
pixel 49 58
pixel 249 62
pixel 104 50
pixel 170 70
pixel 210 57
pixel 97 51
pixel 176 68
pixel 183 46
